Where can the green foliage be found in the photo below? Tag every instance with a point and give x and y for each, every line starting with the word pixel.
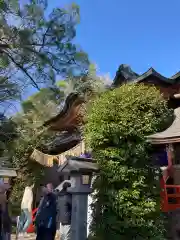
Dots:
pixel 36 46
pixel 35 111
pixel 29 171
pixel 45 97
pixel 88 85
pixel 8 134
pixel 126 200
pixel 7 130
pixel 8 92
pixel 31 135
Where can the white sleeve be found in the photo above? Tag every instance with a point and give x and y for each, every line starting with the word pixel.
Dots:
pixel 30 201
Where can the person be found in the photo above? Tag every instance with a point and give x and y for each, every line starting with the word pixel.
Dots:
pixel 26 210
pixel 7 223
pixel 64 212
pixel 45 220
pixel 3 210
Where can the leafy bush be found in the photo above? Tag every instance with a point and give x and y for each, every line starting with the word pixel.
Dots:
pixel 126 200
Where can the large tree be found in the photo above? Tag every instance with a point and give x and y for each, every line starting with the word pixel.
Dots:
pixel 36 46
pixel 127 198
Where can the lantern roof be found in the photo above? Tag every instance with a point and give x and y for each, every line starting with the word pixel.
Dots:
pixel 78 164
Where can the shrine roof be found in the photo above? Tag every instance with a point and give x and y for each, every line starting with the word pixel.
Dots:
pixel 176 76
pixel 171 134
pixel 68 116
pixel 126 75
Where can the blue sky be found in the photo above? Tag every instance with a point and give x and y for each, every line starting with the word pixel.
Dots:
pixel 140 33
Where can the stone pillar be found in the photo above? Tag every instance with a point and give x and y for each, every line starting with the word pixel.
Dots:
pixel 79 208
pixel 79 216
pixel 173 228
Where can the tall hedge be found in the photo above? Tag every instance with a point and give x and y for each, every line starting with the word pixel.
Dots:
pixel 126 200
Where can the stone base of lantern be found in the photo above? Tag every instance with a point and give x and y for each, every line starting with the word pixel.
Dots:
pixel 173 225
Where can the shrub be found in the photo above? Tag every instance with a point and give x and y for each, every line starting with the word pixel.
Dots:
pixel 126 200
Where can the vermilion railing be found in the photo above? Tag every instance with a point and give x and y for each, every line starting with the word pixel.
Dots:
pixel 169 201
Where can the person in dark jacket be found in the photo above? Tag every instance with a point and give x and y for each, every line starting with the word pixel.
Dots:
pixel 7 223
pixel 45 221
pixel 64 212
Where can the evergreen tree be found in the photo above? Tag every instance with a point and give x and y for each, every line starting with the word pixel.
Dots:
pixel 36 46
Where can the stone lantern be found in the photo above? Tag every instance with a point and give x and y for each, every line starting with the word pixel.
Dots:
pixel 80 171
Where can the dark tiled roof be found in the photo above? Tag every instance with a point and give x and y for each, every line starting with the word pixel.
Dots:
pixel 78 164
pixel 126 75
pixel 176 77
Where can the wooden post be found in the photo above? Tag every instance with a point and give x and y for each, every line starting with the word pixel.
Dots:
pixel 169 154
